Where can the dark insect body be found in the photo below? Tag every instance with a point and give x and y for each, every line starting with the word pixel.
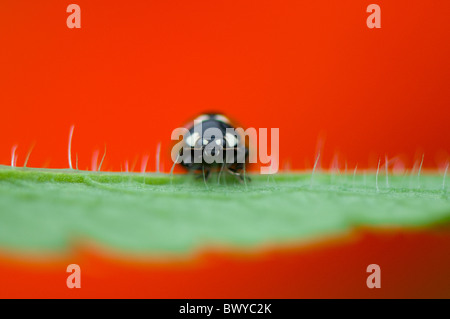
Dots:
pixel 213 144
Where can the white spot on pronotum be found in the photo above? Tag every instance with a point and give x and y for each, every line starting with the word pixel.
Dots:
pixel 222 118
pixel 218 142
pixel 202 118
pixel 69 151
pixel 205 142
pixel 231 140
pixel 13 156
pixel 192 139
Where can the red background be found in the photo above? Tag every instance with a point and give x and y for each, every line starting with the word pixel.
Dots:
pixel 138 69
pixel 413 265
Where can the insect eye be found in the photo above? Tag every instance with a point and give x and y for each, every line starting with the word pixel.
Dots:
pixel 231 140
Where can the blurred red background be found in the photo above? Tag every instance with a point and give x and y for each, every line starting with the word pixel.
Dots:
pixel 413 265
pixel 138 69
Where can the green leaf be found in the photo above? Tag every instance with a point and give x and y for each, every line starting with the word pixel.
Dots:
pixel 48 210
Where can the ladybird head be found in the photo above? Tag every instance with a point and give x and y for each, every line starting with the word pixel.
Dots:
pixel 210 137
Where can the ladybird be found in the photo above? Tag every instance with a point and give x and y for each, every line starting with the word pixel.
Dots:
pixel 213 144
